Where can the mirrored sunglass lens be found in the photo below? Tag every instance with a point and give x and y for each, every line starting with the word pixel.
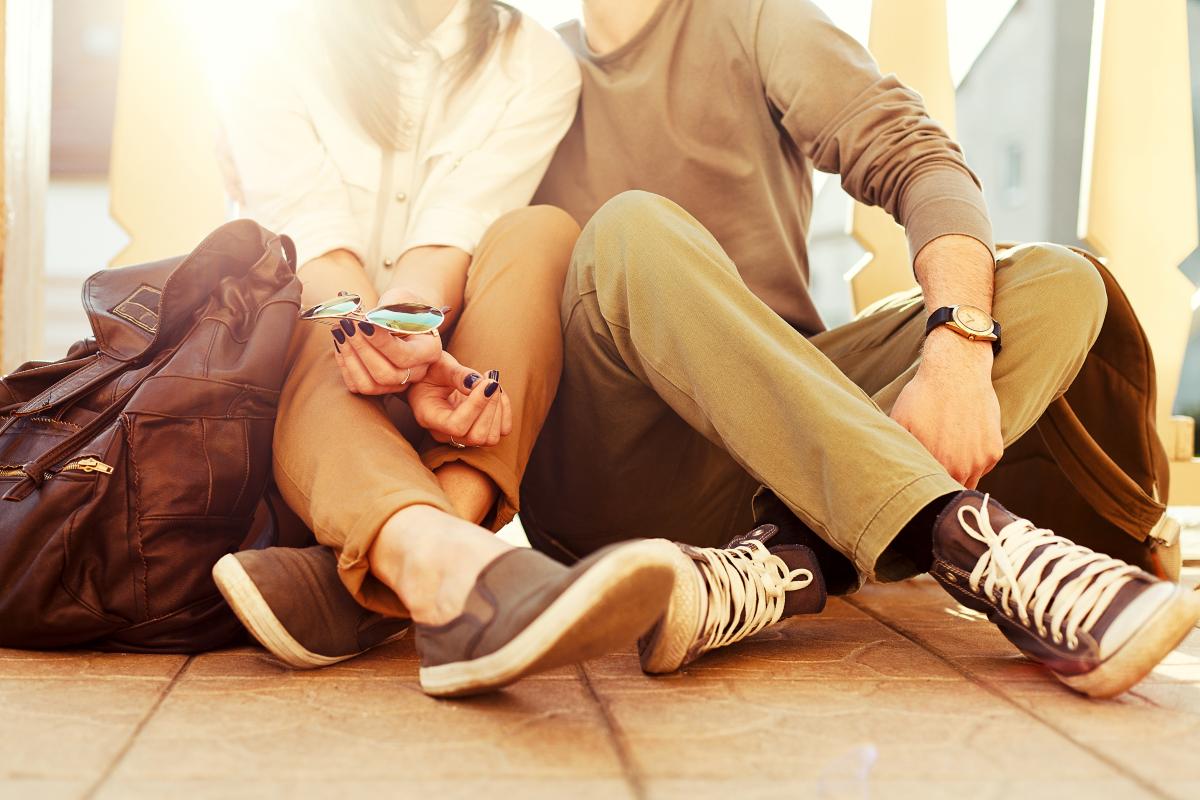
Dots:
pixel 333 308
pixel 407 317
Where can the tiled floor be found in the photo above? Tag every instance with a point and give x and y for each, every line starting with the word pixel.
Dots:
pixel 892 693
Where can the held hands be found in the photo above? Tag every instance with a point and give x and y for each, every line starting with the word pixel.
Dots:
pixel 951 407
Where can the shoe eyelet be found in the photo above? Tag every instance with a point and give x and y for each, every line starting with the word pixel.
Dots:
pixel 950 577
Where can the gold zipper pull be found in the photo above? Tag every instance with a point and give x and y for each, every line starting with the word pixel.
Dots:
pixel 89 465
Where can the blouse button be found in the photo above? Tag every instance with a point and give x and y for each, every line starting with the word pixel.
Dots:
pixel 408 124
pixel 387 263
pixel 401 197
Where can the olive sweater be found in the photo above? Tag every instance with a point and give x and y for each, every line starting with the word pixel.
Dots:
pixel 727 106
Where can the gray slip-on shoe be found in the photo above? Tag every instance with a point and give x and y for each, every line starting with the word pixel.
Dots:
pixel 1097 624
pixel 724 594
pixel 528 613
pixel 295 605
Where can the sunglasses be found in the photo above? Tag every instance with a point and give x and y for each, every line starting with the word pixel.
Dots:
pixel 402 319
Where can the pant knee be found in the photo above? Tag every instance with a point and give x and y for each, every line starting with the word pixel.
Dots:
pixel 1065 285
pixel 639 236
pixel 543 235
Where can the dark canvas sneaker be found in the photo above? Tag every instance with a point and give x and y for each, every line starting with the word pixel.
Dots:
pixel 723 595
pixel 1098 624
pixel 295 605
pixel 527 613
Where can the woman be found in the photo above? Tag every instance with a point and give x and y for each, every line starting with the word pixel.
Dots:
pixel 393 143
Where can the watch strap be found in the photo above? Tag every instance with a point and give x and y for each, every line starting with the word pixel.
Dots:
pixel 945 314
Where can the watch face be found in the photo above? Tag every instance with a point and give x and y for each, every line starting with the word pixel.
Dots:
pixel 973 319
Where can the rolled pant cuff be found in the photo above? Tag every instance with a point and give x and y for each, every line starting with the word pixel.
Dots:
pixel 501 474
pixel 354 567
pixel 897 512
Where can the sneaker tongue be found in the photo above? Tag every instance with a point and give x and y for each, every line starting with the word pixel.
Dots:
pixel 763 533
pixel 953 544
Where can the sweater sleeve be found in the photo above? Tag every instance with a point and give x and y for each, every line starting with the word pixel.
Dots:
pixel 869 128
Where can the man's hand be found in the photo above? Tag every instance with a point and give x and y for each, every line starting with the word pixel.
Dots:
pixel 374 361
pixel 951 407
pixel 457 402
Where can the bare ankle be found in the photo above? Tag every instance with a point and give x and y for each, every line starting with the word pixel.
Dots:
pixel 431 559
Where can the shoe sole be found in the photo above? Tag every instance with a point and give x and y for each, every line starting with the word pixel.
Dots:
pixel 1144 651
pixel 665 648
pixel 242 595
pixel 607 607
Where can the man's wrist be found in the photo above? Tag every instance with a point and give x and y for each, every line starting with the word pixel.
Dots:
pixel 946 351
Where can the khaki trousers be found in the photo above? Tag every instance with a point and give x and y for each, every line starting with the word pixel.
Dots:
pixel 344 467
pixel 682 393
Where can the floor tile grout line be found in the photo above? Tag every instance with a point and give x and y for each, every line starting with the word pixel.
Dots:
pixel 628 768
pixel 137 731
pixel 997 692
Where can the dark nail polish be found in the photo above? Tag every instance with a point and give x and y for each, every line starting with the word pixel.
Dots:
pixel 367 328
pixel 337 347
pixel 471 380
pixel 494 374
pixel 338 336
pixel 348 327
pixel 491 389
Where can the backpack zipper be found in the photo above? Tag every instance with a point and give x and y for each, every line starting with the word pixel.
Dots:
pixel 86 464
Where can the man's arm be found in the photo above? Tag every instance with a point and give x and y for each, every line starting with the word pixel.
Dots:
pixel 950 405
pixel 876 134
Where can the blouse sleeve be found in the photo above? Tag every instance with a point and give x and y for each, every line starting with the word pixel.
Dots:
pixel 503 173
pixel 285 177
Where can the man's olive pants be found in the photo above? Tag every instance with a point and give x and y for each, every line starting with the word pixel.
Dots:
pixel 682 393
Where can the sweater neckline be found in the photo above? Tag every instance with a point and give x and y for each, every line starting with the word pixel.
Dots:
pixel 643 33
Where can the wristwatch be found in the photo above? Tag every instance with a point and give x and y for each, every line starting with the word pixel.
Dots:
pixel 969 322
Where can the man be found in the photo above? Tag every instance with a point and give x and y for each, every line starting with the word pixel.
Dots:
pixel 697 369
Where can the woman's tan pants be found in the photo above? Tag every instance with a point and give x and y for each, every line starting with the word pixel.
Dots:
pixel 344 467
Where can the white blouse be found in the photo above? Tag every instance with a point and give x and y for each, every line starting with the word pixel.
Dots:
pixel 299 163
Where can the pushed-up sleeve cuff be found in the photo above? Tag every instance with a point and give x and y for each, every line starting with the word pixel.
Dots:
pixel 316 233
pixel 942 204
pixel 448 227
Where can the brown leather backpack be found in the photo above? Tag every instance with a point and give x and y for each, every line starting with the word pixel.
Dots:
pixel 130 466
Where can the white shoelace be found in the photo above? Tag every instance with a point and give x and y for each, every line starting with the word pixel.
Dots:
pixel 1073 605
pixel 747 589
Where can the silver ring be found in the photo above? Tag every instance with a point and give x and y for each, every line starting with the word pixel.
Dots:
pixel 407 375
pixel 456 444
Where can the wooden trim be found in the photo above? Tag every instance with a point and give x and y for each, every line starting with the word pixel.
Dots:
pixel 26 165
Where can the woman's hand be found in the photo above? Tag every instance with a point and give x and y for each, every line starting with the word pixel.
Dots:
pixel 374 361
pixel 455 403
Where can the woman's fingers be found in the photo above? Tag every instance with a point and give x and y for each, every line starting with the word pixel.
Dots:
pixel 359 378
pixel 494 431
pixel 401 351
pixel 506 415
pixel 446 371
pixel 481 431
pixel 463 418
pixel 380 369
